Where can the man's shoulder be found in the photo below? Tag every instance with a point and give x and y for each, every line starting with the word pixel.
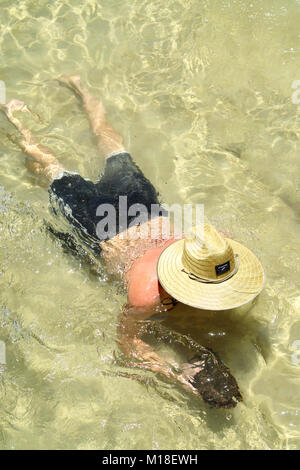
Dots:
pixel 142 281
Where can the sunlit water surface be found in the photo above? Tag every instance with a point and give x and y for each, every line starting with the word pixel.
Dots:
pixel 202 93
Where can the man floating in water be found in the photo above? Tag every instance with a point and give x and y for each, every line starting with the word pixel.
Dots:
pixel 204 270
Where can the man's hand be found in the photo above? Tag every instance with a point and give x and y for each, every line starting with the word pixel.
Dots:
pixel 187 376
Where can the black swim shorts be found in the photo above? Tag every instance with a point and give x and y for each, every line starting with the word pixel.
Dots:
pixel 77 199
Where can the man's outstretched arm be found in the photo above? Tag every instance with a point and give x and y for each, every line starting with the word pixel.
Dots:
pixel 205 375
pixel 130 342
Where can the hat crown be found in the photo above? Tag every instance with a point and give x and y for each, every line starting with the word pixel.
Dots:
pixel 207 253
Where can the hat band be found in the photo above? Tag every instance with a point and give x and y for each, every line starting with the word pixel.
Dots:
pixel 194 277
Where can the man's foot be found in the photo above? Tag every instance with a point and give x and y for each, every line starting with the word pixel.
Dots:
pixel 93 106
pixel 17 105
pixel 74 83
pixel 9 109
pixel 44 161
pixel 11 106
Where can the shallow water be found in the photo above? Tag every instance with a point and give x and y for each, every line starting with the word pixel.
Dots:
pixel 202 93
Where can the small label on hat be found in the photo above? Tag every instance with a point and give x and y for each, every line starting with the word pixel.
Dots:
pixel 222 268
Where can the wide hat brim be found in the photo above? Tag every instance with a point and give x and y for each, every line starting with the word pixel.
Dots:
pixel 240 289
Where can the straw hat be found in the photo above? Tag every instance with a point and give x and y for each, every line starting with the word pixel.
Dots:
pixel 210 272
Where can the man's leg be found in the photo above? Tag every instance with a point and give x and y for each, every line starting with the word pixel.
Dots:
pixel 108 139
pixel 44 161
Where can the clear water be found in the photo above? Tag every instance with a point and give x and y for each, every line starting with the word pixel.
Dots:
pixel 202 93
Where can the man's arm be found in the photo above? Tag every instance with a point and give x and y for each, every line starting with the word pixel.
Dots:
pixel 133 346
pixel 205 375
